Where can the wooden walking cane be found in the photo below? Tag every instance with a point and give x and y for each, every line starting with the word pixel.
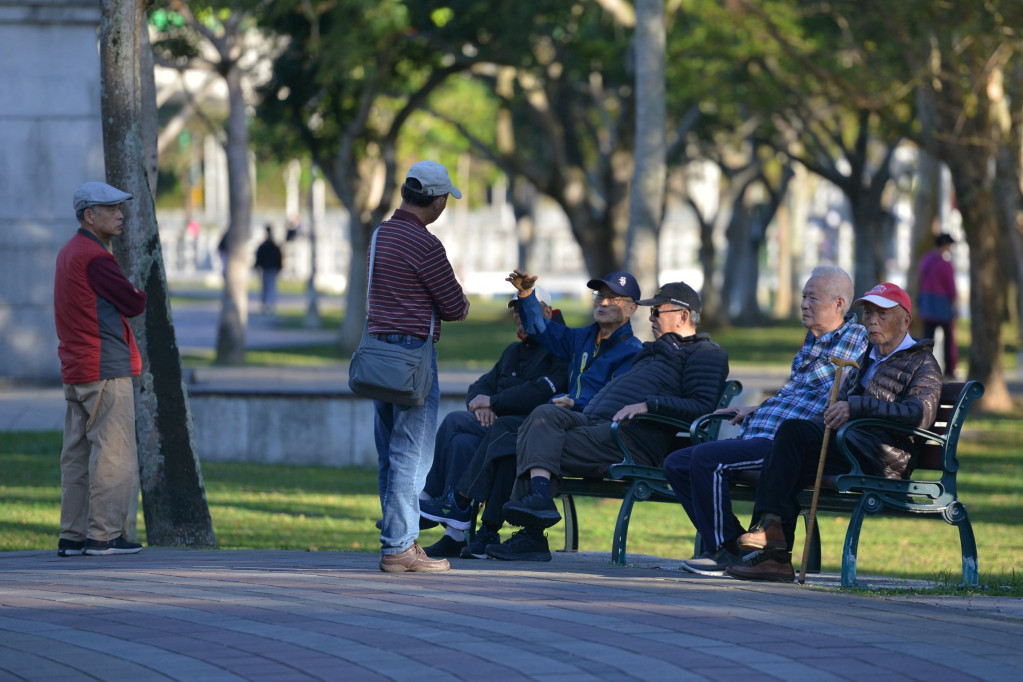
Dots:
pixel 812 520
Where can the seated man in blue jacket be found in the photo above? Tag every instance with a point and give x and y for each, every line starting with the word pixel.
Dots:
pixel 525 376
pixel 680 375
pixel 594 354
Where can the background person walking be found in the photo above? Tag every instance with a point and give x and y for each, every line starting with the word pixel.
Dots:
pixel 269 261
pixel 937 304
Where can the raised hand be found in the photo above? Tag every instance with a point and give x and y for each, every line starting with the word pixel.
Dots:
pixel 522 281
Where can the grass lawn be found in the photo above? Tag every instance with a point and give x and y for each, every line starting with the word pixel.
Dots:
pixel 257 506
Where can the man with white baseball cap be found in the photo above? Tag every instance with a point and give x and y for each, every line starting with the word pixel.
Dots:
pixel 92 300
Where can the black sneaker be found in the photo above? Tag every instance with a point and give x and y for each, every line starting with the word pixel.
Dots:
pixel 116 546
pixel 445 510
pixel 424 524
pixel 523 546
pixel 712 563
pixel 446 547
pixel 477 549
pixel 532 510
pixel 70 547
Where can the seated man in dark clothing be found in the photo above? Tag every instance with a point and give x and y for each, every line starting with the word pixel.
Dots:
pixel 594 354
pixel 898 379
pixel 680 374
pixel 526 375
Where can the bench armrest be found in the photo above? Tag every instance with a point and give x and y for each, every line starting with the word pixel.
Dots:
pixel 706 428
pixel 873 423
pixel 616 431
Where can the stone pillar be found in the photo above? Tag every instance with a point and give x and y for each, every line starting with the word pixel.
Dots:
pixel 52 139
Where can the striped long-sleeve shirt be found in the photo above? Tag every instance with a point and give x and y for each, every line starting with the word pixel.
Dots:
pixel 805 394
pixel 412 277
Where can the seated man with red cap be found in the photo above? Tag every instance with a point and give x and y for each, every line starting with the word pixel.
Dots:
pixel 898 379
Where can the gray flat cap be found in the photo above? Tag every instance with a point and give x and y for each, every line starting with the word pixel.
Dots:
pixel 98 194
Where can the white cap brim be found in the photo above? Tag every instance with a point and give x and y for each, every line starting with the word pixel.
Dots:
pixel 879 301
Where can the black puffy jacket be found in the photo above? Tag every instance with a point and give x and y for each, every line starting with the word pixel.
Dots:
pixel 905 389
pixel 676 377
pixel 526 375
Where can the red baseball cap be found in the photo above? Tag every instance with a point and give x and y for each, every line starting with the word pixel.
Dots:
pixel 887 295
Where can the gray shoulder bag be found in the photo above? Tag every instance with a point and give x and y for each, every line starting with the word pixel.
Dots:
pixel 390 372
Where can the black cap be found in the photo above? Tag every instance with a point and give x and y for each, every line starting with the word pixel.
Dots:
pixel 678 293
pixel 622 283
pixel 944 238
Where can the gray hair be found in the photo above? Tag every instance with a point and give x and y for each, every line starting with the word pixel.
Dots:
pixel 838 283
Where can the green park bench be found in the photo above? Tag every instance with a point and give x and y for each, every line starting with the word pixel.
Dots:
pixel 628 481
pixel 931 491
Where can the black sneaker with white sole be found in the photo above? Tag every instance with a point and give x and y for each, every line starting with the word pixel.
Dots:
pixel 70 547
pixel 711 563
pixel 116 546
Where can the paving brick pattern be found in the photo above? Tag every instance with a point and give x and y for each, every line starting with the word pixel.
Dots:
pixel 170 614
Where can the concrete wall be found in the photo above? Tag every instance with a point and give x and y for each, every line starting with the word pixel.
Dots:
pixel 52 141
pixel 327 429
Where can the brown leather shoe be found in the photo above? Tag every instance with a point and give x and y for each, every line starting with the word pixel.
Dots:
pixel 413 560
pixel 767 535
pixel 770 566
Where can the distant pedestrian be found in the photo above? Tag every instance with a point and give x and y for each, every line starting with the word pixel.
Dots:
pixel 937 304
pixel 98 357
pixel 412 281
pixel 269 261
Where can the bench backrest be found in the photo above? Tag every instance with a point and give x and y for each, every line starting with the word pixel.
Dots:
pixel 956 398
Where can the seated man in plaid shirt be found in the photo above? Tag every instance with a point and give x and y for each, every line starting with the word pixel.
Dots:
pixel 700 475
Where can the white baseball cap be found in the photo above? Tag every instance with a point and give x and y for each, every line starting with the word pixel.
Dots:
pixel 434 178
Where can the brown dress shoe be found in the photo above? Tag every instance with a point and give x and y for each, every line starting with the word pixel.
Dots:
pixel 767 535
pixel 770 566
pixel 414 560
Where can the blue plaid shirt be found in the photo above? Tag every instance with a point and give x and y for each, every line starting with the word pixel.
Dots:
pixel 805 394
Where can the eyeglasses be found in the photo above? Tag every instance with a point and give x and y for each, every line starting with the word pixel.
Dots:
pixel 656 312
pixel 612 299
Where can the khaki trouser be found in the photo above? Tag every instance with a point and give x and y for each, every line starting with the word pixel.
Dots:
pixel 99 462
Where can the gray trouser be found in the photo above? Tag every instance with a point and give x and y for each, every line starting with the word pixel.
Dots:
pixel 565 443
pixel 99 461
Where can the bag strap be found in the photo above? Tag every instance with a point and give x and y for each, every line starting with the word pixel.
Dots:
pixel 369 283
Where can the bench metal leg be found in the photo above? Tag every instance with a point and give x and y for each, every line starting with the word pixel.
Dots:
pixel 571 524
pixel 869 503
pixel 957 516
pixel 622 526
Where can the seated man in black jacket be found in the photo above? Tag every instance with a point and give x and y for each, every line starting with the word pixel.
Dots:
pixel 898 379
pixel 525 376
pixel 680 375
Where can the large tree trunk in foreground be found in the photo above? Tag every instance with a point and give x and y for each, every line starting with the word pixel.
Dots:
pixel 173 498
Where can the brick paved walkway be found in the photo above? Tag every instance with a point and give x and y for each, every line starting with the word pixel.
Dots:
pixel 276 615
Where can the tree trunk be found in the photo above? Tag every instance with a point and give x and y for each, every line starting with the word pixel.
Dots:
pixel 976 202
pixel 646 206
pixel 174 501
pixel 925 217
pixel 872 229
pixel 234 313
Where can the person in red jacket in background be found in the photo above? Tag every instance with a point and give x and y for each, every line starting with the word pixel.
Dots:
pixel 92 300
pixel 937 304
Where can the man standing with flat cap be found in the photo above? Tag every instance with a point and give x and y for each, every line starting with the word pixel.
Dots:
pixel 412 285
pixel 98 357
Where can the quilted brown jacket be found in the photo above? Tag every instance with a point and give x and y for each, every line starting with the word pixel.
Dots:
pixel 906 389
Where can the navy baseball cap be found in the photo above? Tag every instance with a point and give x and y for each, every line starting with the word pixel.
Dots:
pixel 622 283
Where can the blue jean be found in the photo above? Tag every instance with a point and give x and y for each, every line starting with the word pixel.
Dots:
pixel 699 476
pixel 403 435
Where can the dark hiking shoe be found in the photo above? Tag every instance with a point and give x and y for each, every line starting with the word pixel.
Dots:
pixel 525 545
pixel 445 548
pixel 477 549
pixel 767 535
pixel 532 510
